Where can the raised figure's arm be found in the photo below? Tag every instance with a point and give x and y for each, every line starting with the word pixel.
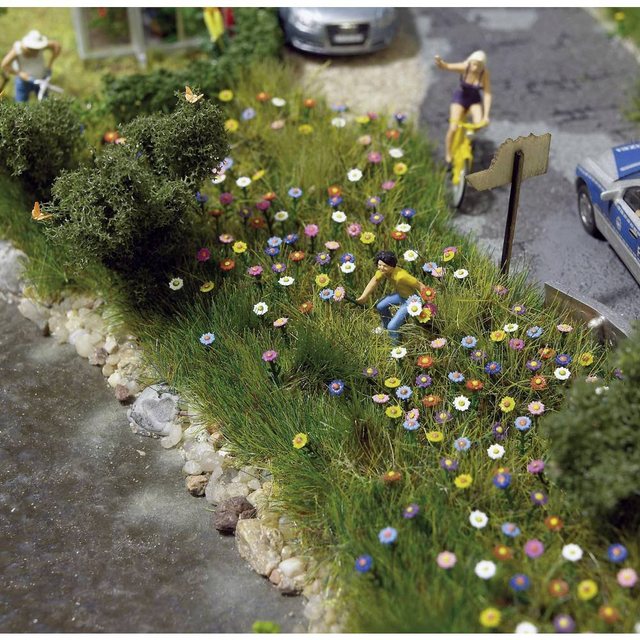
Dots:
pixel 458 67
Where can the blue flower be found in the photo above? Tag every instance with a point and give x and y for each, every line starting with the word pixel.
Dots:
pixel 523 423
pixel 411 425
pixel 455 376
pixel 408 213
pixel 248 114
pixel 364 563
pixel 462 444
pixel 326 294
pixel 291 238
pixel 400 117
pixel 295 192
pixel 272 251
pixel 274 241
pixel 404 392
pixel 201 198
pixel 520 582
pixel 428 267
pixel 334 201
pixel 617 553
pixel 492 368
pixel 347 257
pixel 563 359
pixel 510 529
pixel 468 342
pixel 339 108
pixel 387 535
pixel 534 332
pixel 336 387
pixel 225 165
pixel 502 480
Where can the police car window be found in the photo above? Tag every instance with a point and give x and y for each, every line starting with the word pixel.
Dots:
pixel 632 198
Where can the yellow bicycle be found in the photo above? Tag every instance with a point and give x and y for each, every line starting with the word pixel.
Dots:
pixel 462 159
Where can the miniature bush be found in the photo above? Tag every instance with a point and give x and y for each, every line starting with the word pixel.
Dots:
pixel 37 141
pixel 595 442
pixel 258 36
pixel 134 209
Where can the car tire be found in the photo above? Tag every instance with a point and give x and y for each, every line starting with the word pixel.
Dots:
pixel 586 213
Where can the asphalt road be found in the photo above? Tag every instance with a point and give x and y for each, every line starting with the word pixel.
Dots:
pixel 552 70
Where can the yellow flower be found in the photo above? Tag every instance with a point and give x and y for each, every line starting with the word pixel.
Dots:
pixel 239 247
pixel 618 16
pixel 231 125
pixel 392 383
pixel 305 129
pixel 490 617
pixel 394 411
pixel 322 280
pixel 497 336
pixel 507 404
pixel 258 174
pixel 400 168
pixel 424 315
pixel 585 359
pixel 226 95
pixel 300 440
pixel 463 481
pixel 448 255
pixel 367 237
pixel 207 286
pixel 587 589
pixel 363 119
pixel 435 436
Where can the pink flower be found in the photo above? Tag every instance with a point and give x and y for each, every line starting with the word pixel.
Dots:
pixel 535 466
pixel 311 230
pixel 364 140
pixel 203 255
pixel 354 229
pixel 332 245
pixel 374 156
pixel 226 238
pixel 536 408
pixel 533 548
pixel 516 343
pixel 269 356
pixel 627 577
pixel 226 198
pixel 388 185
pixel 255 271
pixel 446 559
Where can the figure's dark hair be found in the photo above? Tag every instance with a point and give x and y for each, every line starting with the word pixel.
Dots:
pixel 388 257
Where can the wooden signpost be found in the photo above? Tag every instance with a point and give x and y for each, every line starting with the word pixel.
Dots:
pixel 514 161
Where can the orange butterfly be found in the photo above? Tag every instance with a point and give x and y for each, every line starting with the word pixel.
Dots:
pixel 37 214
pixel 192 97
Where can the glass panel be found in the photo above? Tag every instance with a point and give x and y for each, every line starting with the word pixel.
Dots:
pixel 106 26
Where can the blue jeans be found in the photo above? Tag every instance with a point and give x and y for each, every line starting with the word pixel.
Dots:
pixel 24 88
pixel 389 322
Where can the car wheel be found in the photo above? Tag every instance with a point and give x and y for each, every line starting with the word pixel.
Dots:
pixel 585 209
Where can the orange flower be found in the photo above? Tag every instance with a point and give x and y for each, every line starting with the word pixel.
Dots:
pixel 392 134
pixel 474 385
pixel 553 523
pixel 257 222
pixel 398 235
pixel 608 613
pixel 391 476
pixel 227 264
pixel 306 307
pixel 215 213
pixel 431 400
pixel 502 552
pixel 428 294
pixel 270 195
pixel 538 383
pixel 334 191
pixel 309 103
pixel 296 256
pixel 558 588
pixel 425 362
pixel 547 352
pixel 263 96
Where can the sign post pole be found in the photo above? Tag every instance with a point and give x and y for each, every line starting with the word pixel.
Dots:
pixel 512 211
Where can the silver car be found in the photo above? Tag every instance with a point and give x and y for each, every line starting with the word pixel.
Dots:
pixel 339 31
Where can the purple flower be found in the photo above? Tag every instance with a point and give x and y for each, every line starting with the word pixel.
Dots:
pixel 533 548
pixel 564 623
pixel 372 202
pixel 400 117
pixel 262 205
pixel 226 198
pixel 201 198
pixel 244 213
pixel 449 464
pixel 618 374
pixel 492 368
pixel 410 511
pixel 478 355
pixel 364 563
pixel 323 258
pixel 269 356
pixel 408 213
pixel 499 431
pixel 535 466
pixel 272 251
pixel 533 365
pixel 278 267
pixel 563 359
pixel 442 416
pixel 376 218
pixel 347 257
pixel 519 309
pixel 291 238
pixel 370 372
pixel 539 498
pixel 423 381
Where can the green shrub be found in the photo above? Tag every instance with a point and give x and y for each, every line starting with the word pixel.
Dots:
pixel 258 36
pixel 37 141
pixel 133 209
pixel 595 442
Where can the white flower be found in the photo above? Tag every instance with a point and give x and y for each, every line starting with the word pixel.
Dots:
pixel 398 352
pixel 176 283
pixel 348 267
pixel 461 403
pixel 260 308
pixel 600 390
pixel 495 451
pixel 403 227
pixel 219 179
pixel 338 216
pixel 526 627
pixel 562 373
pixel 410 255
pixel 243 182
pixel 485 569
pixel 281 216
pixel 338 122
pixel 354 175
pixel 396 153
pixel 461 274
pixel 278 102
pixel 414 308
pixel 478 519
pixel 571 552
pixel 510 328
pixel 286 281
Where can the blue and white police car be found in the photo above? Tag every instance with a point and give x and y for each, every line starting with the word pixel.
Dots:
pixel 609 201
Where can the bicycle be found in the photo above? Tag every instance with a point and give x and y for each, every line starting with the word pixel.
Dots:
pixel 462 159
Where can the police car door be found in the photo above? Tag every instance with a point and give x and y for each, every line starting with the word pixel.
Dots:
pixel 628 224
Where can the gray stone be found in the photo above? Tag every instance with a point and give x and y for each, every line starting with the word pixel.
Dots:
pixel 259 545
pixel 36 312
pixel 230 511
pixel 123 394
pixel 154 412
pixel 196 484
pixel 98 357
pixel 11 267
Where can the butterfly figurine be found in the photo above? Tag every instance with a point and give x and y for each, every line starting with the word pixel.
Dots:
pixel 192 97
pixel 36 213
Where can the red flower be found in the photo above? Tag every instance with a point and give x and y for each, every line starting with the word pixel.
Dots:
pixel 392 134
pixel 334 191
pixel 502 552
pixel 306 307
pixel 558 588
pixel 227 264
pixel 547 352
pixel 398 235
pixel 425 362
pixel 474 385
pixel 263 96
pixel 203 254
pixel 215 213
pixel 270 195
pixel 296 256
pixel 431 400
pixel 257 222
pixel 553 523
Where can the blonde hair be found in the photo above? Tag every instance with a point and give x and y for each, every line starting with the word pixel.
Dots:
pixel 478 56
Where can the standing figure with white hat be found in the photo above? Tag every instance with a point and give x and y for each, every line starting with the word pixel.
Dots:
pixel 26 61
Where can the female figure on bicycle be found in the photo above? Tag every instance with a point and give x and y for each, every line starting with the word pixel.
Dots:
pixel 472 97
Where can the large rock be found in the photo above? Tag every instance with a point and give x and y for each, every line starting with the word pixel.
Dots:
pixel 35 312
pixel 154 412
pixel 226 517
pixel 259 545
pixel 11 267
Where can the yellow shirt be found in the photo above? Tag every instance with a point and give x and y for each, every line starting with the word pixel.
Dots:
pixel 405 284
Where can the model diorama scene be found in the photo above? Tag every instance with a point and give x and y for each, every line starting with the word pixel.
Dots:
pixel 378 319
